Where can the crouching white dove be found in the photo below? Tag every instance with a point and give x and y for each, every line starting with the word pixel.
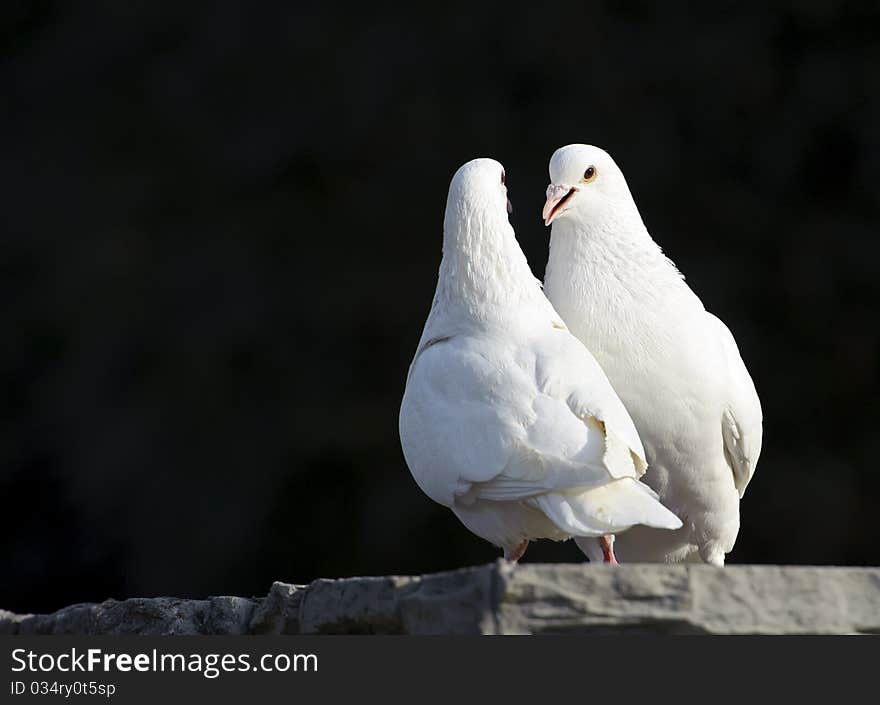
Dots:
pixel 506 418
pixel 676 366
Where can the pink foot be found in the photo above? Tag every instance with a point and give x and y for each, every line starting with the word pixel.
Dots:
pixel 518 552
pixel 607 543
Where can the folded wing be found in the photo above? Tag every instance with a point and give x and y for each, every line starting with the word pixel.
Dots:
pixel 742 420
pixel 484 424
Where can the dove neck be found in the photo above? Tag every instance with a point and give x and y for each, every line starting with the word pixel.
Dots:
pixel 612 250
pixel 611 283
pixel 484 271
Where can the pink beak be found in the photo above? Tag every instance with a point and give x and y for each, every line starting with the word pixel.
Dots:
pixel 557 196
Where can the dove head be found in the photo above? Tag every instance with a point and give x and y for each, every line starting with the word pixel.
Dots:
pixel 482 261
pixel 584 180
pixel 477 195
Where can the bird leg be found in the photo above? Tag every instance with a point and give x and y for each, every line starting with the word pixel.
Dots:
pixel 607 544
pixel 516 553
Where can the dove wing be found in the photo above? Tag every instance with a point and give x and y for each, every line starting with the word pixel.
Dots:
pixel 567 370
pixel 742 420
pixel 475 423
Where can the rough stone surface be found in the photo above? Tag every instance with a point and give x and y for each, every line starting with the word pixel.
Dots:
pixel 278 613
pixel 505 599
pixel 157 616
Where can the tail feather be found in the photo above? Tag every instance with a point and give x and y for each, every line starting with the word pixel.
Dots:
pixel 609 509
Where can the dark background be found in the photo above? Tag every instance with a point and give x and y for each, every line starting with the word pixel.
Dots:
pixel 221 232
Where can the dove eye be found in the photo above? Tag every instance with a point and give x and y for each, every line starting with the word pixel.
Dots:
pixel 503 177
pixel 590 173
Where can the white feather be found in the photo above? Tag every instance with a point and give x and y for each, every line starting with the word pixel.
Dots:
pixel 507 419
pixel 675 366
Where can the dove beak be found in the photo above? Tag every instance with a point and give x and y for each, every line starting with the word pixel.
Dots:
pixel 557 196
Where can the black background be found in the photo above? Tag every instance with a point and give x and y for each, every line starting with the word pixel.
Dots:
pixel 221 231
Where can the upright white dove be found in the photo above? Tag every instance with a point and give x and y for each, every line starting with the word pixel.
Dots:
pixel 507 419
pixel 676 366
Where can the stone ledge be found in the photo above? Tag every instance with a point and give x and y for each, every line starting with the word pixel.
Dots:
pixel 501 598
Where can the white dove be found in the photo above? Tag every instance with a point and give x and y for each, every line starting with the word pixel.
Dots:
pixel 676 366
pixel 507 419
